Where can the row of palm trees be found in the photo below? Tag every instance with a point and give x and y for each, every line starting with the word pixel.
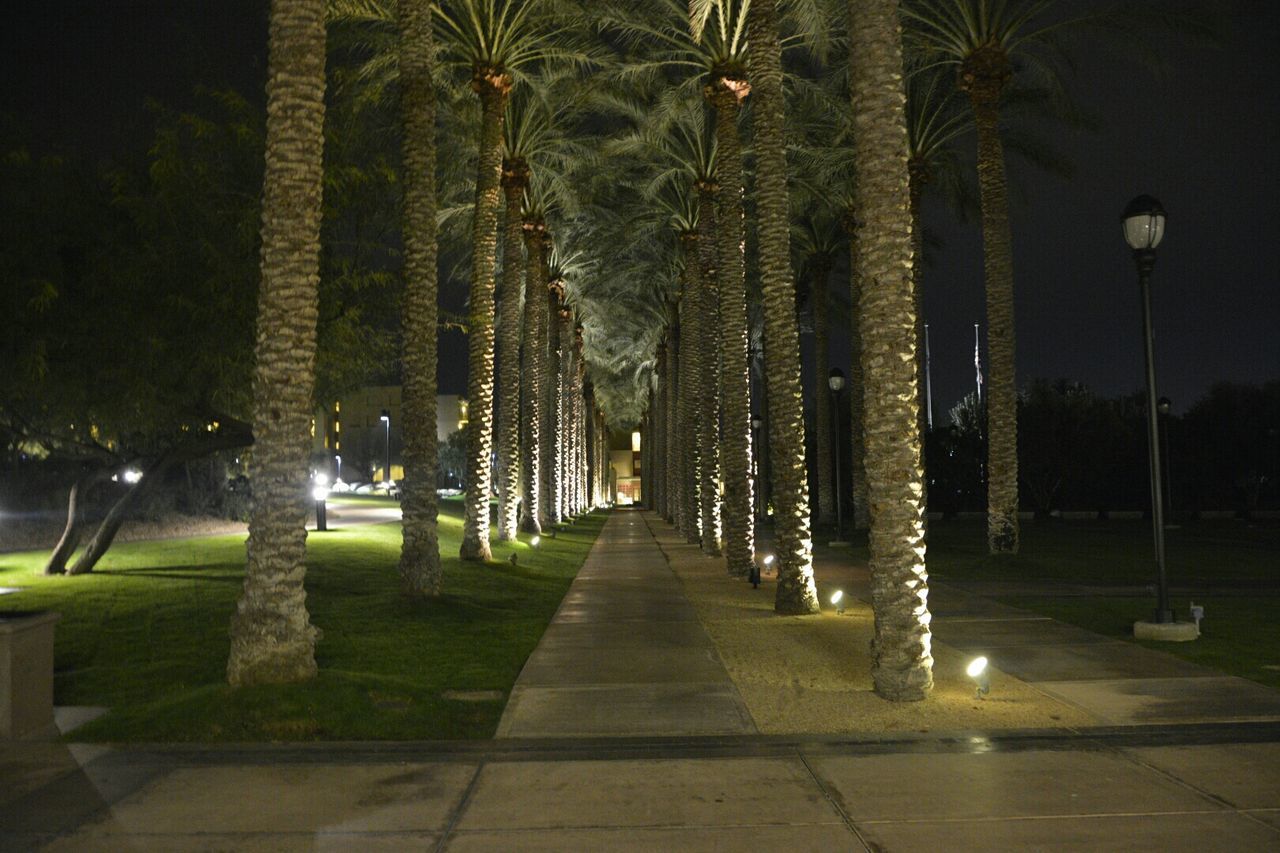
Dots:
pixel 629 212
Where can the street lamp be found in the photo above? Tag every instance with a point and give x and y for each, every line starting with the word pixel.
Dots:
pixel 836 383
pixel 1143 229
pixel 756 423
pixel 386 419
pixel 338 459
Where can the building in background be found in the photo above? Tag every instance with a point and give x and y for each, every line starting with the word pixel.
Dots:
pixel 358 442
pixel 624 459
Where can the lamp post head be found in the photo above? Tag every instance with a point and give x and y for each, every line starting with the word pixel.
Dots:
pixel 836 380
pixel 1143 220
pixel 1163 405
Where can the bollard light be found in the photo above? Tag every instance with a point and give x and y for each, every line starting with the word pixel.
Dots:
pixel 977 670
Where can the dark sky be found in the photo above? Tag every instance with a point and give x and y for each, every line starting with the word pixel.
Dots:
pixel 1201 139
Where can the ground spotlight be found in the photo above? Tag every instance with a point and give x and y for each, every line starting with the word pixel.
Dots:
pixel 977 670
pixel 837 599
pixel 535 541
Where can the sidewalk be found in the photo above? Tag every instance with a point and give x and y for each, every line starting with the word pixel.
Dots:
pixel 568 772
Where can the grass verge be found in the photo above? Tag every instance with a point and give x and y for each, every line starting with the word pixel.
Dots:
pixel 146 636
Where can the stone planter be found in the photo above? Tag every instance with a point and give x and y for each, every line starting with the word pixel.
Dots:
pixel 26 674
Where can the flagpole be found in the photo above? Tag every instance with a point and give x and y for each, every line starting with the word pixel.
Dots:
pixel 928 380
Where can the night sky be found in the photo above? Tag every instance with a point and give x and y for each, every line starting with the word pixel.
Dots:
pixel 1201 139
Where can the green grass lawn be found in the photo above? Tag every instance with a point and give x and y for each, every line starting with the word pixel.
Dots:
pixel 1232 568
pixel 146 635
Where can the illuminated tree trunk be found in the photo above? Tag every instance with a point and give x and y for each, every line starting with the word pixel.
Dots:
pixel 983 75
pixel 902 664
pixel 672 443
pixel 420 573
pixel 533 378
pixel 550 403
pixel 709 396
pixel 272 638
pixel 515 175
pixel 796 592
pixel 690 383
pixel 492 86
pixel 735 370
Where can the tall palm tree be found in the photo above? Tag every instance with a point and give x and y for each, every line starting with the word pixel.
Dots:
pixel 533 371
pixel 902 664
pixel 796 592
pixel 515 177
pixel 272 638
pixel 420 573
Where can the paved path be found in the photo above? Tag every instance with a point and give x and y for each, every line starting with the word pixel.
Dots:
pixel 625 654
pixel 626 657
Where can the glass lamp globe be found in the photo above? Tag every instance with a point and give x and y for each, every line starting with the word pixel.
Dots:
pixel 1143 223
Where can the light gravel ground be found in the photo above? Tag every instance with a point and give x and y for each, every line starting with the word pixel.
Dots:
pixel 812 674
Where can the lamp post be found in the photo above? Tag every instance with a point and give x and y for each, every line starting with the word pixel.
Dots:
pixel 836 383
pixel 1143 229
pixel 756 423
pixel 338 460
pixel 386 419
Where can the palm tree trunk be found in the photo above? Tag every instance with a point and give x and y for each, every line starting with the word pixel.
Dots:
pixel 675 470
pixel 550 406
pixel 514 176
pixel 492 88
pixel 709 344
pixel 857 383
pixel 690 383
pixel 735 375
pixel 420 572
pixel 902 666
pixel 822 393
pixel 1002 398
pixel 533 377
pixel 796 592
pixel 272 638
pixel 564 390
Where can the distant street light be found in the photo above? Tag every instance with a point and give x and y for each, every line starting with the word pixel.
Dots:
pixel 386 419
pixel 338 460
pixel 1143 229
pixel 836 383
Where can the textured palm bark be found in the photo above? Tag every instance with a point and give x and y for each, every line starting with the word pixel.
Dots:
pixel 691 383
pixel 272 638
pixel 551 406
pixel 673 396
pixel 709 398
pixel 918 175
pixel 515 175
pixel 902 663
pixel 822 393
pixel 735 370
pixel 564 430
pixel 796 592
pixel 492 85
pixel 857 384
pixel 983 76
pixel 580 433
pixel 420 572
pixel 532 377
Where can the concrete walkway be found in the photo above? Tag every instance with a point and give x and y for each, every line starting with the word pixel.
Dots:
pixel 624 658
pixel 625 654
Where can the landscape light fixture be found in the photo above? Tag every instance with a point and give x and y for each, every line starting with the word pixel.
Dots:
pixel 320 492
pixel 535 541
pixel 132 475
pixel 1143 221
pixel 837 599
pixel 386 419
pixel 977 670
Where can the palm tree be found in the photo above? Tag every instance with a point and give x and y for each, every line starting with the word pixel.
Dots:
pixel 796 592
pixel 420 573
pixel 533 372
pixel 272 639
pixel 902 666
pixel 515 177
